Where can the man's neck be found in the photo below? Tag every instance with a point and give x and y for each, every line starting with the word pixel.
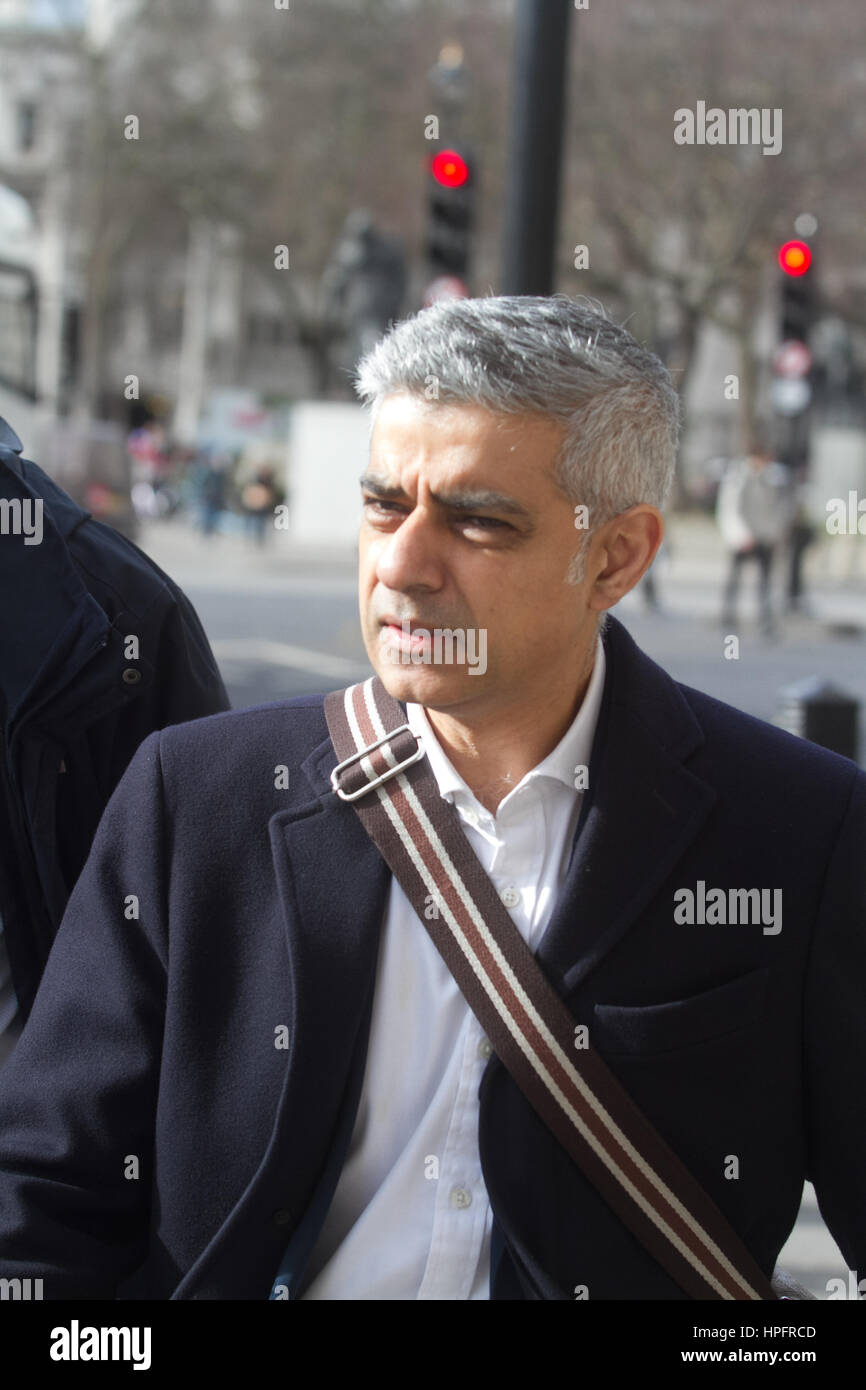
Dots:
pixel 494 757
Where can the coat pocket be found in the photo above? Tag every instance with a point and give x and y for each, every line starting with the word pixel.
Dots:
pixel 623 1030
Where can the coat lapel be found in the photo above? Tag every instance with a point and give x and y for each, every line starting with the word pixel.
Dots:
pixel 333 884
pixel 641 811
pixel 333 887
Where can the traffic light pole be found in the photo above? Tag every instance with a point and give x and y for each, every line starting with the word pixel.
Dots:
pixel 535 145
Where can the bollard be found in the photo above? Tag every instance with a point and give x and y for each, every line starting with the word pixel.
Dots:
pixel 815 709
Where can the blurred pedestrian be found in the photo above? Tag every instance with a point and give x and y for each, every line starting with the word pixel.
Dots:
pixel 150 469
pixel 259 498
pixel 753 513
pixel 800 537
pixel 213 482
pixel 146 447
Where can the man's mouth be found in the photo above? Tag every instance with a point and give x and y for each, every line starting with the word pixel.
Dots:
pixel 408 634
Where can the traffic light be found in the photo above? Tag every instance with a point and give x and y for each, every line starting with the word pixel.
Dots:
pixel 792 386
pixel 797 291
pixel 450 212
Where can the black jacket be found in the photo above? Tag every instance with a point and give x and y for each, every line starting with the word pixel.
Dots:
pixel 73 705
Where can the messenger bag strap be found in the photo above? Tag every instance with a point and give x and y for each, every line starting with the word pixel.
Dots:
pixel 384 773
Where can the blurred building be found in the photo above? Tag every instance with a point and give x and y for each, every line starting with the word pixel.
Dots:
pixel 212 323
pixel 41 93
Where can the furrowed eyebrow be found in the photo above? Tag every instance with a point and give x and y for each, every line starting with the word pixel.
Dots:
pixel 468 501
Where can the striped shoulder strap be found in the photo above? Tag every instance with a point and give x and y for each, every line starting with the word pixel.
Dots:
pixel 384 774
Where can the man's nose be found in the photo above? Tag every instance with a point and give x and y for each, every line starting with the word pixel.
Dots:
pixel 412 556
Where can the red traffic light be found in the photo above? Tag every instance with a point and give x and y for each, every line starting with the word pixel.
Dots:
pixel 795 257
pixel 449 168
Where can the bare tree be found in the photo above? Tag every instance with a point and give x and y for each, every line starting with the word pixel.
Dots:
pixel 690 231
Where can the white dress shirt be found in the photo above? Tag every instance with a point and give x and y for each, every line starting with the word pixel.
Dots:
pixel 410 1218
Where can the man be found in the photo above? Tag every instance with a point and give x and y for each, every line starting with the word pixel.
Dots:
pixel 98 647
pixel 263 1082
pixel 754 512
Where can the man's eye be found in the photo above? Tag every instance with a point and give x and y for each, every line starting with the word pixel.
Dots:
pixel 377 504
pixel 481 523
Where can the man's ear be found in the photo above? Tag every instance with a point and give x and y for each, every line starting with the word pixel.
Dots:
pixel 621 552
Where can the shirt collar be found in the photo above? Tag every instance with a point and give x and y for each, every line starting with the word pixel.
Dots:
pixel 573 749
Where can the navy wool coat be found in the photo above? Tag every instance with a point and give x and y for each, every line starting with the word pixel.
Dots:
pixel 218 907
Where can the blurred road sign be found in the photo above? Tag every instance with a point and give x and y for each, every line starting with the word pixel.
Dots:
pixel 792 359
pixel 790 394
pixel 445 287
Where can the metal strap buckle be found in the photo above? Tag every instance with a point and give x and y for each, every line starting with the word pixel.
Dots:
pixel 383 777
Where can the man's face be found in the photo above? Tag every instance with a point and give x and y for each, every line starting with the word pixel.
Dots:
pixel 464 529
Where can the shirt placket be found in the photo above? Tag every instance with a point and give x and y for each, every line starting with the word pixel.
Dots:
pixel 516 864
pixel 461 1198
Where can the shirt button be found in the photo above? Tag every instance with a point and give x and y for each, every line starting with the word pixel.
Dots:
pixel 485 1048
pixel 510 896
pixel 460 1197
pixel 131 676
pixel 470 817
pixel 281 1217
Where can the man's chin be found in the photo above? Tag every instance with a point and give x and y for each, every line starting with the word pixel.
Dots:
pixel 435 686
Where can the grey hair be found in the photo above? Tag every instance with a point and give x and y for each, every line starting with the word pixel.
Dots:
pixel 557 357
